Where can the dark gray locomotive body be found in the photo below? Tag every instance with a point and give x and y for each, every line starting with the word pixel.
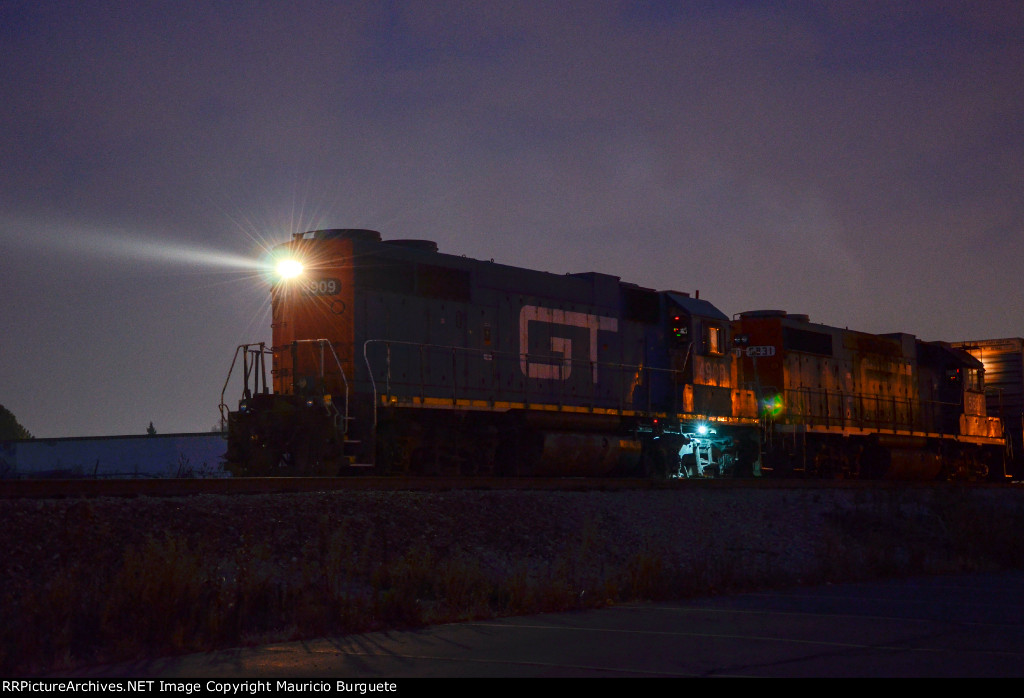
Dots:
pixel 390 355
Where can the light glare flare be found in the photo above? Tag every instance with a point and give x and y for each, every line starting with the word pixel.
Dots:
pixel 289 268
pixel 142 246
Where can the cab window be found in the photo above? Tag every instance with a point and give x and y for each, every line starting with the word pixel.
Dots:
pixel 714 343
pixel 975 380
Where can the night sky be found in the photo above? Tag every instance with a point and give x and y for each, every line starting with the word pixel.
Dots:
pixel 860 162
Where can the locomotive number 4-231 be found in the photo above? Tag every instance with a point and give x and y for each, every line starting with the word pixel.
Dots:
pixel 322 287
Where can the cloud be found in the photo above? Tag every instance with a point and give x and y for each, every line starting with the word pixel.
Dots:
pixel 860 162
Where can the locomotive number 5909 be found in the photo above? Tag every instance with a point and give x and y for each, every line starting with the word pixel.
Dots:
pixel 322 287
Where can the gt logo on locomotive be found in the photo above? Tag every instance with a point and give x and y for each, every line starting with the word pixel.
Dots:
pixel 559 345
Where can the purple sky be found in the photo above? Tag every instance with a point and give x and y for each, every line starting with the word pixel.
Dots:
pixel 860 162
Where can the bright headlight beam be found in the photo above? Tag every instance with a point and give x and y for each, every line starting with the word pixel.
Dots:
pixel 72 238
pixel 289 268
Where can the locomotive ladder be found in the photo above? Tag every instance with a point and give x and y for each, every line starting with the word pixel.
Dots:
pixel 341 419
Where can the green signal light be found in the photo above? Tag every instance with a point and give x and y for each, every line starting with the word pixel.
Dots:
pixel 773 406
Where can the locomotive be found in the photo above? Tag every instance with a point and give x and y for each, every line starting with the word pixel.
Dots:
pixel 388 356
pixel 841 403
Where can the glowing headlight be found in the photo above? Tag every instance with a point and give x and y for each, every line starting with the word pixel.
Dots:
pixel 289 268
pixel 702 430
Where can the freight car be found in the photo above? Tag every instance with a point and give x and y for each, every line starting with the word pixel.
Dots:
pixel 392 356
pixel 389 356
pixel 840 403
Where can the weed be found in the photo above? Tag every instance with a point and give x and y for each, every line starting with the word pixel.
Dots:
pixel 163 594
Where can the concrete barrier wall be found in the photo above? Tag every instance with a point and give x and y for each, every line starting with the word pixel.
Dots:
pixel 160 455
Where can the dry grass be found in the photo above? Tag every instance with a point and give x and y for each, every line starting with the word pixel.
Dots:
pixel 171 593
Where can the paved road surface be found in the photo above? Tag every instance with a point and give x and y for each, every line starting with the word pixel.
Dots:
pixel 968 625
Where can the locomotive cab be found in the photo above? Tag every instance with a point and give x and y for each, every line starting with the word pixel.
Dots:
pixel 702 432
pixel 954 381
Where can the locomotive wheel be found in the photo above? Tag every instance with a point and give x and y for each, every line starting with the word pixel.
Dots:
pixel 397 443
pixel 654 462
pixel 482 451
pixel 306 455
pixel 520 452
pixel 264 461
pixel 830 462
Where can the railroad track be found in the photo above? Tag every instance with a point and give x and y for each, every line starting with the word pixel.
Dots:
pixel 166 487
pixel 55 488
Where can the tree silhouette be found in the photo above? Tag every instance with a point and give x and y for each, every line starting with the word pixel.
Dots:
pixel 9 427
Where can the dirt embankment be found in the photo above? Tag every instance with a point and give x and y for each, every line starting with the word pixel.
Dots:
pixel 97 580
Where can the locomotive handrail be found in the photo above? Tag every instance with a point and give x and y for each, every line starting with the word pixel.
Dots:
pixel 244 348
pixel 635 371
pixel 482 352
pixel 263 351
pixel 866 410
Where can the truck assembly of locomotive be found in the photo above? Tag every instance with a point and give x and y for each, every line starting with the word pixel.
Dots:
pixel 388 356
